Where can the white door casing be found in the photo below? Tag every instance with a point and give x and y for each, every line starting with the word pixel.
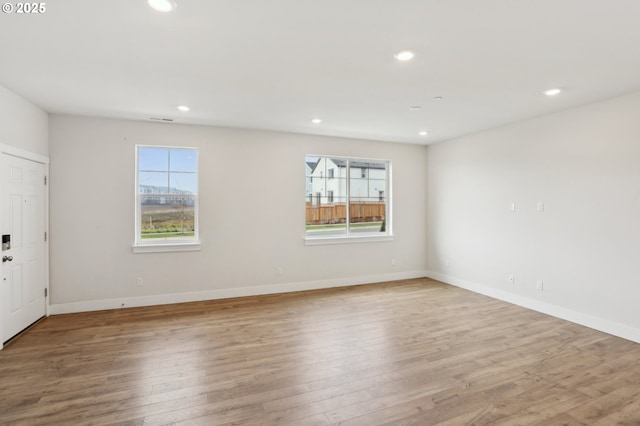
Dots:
pixel 23 216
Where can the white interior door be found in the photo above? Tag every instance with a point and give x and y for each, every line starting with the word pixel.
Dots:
pixel 23 219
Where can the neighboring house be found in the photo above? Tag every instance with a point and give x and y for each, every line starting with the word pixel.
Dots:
pixel 329 183
pixel 159 195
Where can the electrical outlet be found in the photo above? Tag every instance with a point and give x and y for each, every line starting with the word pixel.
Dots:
pixel 139 282
pixel 393 262
pixel 540 207
pixel 539 285
pixel 279 271
pixel 511 279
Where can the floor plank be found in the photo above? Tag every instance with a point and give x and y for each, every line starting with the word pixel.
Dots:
pixel 412 352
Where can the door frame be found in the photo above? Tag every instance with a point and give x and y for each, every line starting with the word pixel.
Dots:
pixel 37 158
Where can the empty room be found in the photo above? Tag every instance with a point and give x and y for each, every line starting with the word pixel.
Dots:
pixel 417 212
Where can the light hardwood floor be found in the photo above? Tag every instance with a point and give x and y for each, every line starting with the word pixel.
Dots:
pixel 415 352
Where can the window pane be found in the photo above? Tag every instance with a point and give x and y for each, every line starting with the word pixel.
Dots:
pixel 367 211
pixel 170 216
pixel 184 160
pixel 156 159
pixel 153 182
pixel 309 165
pixel 183 183
pixel 326 202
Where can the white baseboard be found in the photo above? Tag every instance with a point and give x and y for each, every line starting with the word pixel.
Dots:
pixel 165 299
pixel 600 324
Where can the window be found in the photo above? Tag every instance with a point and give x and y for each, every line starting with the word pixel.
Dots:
pixel 350 200
pixel 166 197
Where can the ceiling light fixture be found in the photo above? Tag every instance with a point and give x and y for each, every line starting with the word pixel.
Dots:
pixel 415 108
pixel 162 5
pixel 405 55
pixel 316 121
pixel 423 133
pixel 184 108
pixel 552 92
pixel 438 98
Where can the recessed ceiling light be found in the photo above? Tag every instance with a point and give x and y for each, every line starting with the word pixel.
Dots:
pixel 316 121
pixel 415 108
pixel 552 92
pixel 162 5
pixel 183 108
pixel 438 98
pixel 405 55
pixel 423 133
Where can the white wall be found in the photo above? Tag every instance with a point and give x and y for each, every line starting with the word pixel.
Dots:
pixel 22 124
pixel 252 205
pixel 584 165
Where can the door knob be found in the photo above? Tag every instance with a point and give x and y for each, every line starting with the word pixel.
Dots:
pixel 7 259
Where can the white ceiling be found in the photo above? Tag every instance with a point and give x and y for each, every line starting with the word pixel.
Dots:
pixel 276 64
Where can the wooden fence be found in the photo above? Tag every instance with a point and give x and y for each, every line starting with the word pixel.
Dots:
pixel 337 213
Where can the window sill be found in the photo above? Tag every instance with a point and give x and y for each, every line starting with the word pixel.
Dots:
pixel 166 247
pixel 318 241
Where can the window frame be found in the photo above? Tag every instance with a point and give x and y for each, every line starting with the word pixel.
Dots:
pixel 349 237
pixel 154 245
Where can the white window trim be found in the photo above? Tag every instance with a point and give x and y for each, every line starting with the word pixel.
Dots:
pixel 343 239
pixel 160 245
pixel 358 238
pixel 166 247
